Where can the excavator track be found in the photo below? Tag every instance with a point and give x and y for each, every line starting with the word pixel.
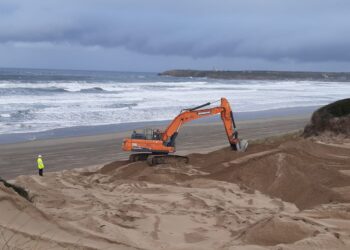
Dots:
pixel 138 157
pixel 153 159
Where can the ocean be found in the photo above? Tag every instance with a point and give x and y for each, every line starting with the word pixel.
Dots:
pixel 41 100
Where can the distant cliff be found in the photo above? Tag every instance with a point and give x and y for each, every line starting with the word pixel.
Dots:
pixel 261 75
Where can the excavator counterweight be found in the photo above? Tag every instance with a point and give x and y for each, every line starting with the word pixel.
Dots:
pixel 155 145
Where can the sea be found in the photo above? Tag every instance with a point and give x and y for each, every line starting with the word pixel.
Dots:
pixel 36 100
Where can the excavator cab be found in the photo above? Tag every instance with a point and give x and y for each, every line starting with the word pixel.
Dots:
pixel 147 134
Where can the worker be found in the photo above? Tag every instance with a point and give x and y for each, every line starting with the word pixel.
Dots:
pixel 41 165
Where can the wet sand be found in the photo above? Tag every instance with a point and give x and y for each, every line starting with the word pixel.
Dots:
pixel 82 151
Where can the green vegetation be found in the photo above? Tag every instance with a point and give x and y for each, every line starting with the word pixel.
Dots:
pixel 334 117
pixel 338 108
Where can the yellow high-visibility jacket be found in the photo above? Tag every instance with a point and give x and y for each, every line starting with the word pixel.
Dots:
pixel 40 163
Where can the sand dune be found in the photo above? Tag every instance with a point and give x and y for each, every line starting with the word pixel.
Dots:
pixel 286 193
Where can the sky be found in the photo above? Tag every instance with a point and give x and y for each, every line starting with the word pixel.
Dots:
pixel 157 35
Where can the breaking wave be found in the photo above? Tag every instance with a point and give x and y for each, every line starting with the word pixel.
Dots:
pixel 93 90
pixel 31 91
pixel 43 101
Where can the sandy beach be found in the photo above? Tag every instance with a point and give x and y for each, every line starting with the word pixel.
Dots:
pixel 285 192
pixel 82 151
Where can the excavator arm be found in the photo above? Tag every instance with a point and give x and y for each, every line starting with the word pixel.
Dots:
pixel 188 115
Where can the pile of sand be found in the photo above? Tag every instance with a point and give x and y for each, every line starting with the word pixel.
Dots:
pixel 281 194
pixel 302 172
pixel 333 119
pixel 24 226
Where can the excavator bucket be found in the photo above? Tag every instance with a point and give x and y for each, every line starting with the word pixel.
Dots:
pixel 242 145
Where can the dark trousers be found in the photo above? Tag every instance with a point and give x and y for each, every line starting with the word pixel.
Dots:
pixel 41 172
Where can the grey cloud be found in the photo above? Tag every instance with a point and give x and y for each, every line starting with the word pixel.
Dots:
pixel 272 30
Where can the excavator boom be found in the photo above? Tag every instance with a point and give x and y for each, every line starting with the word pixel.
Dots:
pixel 157 142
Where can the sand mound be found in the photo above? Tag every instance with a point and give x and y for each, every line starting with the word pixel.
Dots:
pixel 280 229
pixel 25 226
pixel 193 214
pixel 333 118
pixel 21 191
pixel 221 200
pixel 302 172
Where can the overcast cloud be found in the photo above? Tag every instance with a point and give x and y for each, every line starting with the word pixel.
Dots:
pixel 156 35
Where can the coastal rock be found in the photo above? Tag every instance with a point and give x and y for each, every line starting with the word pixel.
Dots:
pixel 333 118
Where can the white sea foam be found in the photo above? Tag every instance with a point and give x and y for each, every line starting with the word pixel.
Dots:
pixel 110 102
pixel 5 115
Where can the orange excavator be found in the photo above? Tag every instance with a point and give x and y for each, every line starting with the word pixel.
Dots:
pixel 154 145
